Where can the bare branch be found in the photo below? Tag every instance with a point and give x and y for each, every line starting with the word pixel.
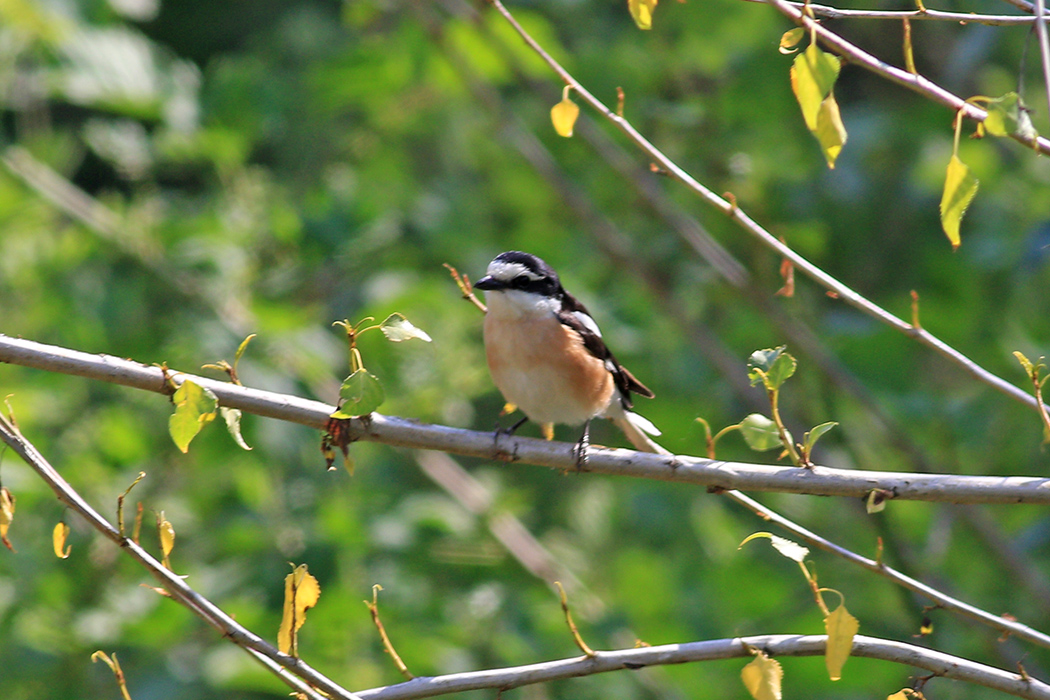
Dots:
pixel 935 662
pixel 1044 45
pixel 401 432
pixel 267 654
pixel 932 15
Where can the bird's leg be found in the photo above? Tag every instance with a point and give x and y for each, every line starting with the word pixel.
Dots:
pixel 512 429
pixel 580 450
pixel 507 431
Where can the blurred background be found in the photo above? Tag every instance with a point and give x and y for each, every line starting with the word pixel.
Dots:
pixel 178 174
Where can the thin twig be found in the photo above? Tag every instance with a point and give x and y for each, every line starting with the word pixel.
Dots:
pixel 388 646
pixel 120 507
pixel 1044 46
pixel 917 83
pixel 576 637
pixel 932 15
pixel 935 662
pixel 947 602
pixel 177 588
pixel 391 430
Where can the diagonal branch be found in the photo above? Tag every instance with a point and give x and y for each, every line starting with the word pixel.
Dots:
pixel 947 602
pixel 280 664
pixel 935 662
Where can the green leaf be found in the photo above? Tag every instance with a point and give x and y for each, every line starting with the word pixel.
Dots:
pixel 361 393
pixel 813 75
pixel 1007 115
pixel 1025 362
pixel 398 328
pixel 194 408
pixel 242 347
pixel 960 186
pixel 771 367
pixel 782 369
pixel 760 433
pixel 232 416
pixel 764 359
pixel 810 438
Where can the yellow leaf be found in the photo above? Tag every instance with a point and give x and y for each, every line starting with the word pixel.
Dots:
pixel 762 677
pixel 7 514
pixel 642 12
pixel 960 186
pixel 840 626
pixel 813 75
pixel 301 592
pixel 789 40
pixel 167 538
pixel 831 133
pixel 58 539
pixel 564 114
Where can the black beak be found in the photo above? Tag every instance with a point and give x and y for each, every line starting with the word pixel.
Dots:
pixel 489 283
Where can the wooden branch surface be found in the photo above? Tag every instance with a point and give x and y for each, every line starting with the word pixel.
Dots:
pixel 402 432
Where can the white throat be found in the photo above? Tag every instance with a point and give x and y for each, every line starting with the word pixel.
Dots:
pixel 515 303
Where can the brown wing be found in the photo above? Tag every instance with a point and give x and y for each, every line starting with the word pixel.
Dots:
pixel 624 380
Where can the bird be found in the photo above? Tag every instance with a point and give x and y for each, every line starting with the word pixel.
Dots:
pixel 547 357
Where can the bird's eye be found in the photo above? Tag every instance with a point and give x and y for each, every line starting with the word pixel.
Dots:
pixel 520 282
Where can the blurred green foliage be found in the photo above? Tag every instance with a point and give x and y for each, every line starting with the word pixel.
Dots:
pixel 270 167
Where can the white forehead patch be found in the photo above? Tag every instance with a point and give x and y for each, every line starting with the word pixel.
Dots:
pixel 506 271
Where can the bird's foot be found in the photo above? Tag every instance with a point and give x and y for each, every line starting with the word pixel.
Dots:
pixel 579 450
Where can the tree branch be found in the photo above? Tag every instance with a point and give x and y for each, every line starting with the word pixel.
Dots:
pixel 927 14
pixel 401 432
pixel 935 662
pixel 1021 631
pixel 280 664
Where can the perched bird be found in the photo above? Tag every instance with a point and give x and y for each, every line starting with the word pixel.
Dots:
pixel 547 356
